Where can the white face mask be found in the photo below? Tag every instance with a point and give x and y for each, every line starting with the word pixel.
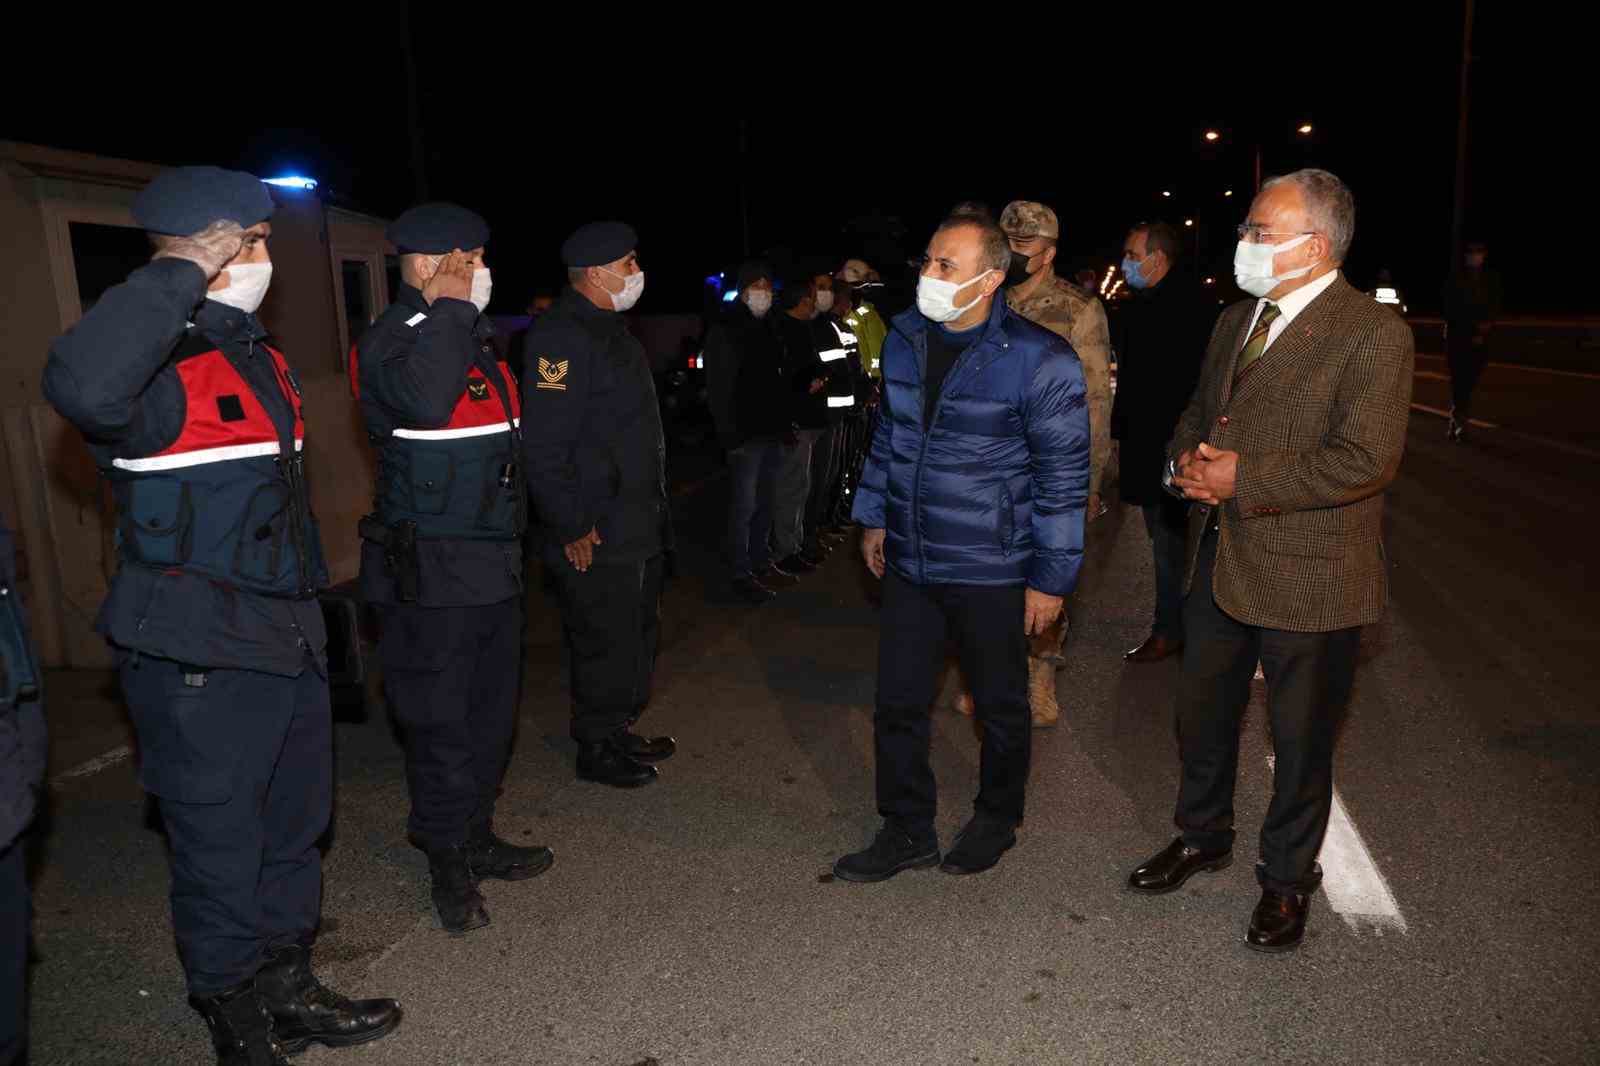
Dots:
pixel 759 301
pixel 824 300
pixel 1252 265
pixel 632 289
pixel 936 299
pixel 482 286
pixel 246 288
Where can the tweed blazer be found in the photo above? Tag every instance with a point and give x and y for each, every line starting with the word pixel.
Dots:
pixel 1319 422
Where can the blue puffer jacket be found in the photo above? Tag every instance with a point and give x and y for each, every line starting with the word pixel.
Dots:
pixel 994 492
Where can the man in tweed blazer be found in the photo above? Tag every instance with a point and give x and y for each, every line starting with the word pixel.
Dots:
pixel 1293 434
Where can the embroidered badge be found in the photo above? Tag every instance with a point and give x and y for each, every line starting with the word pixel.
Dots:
pixel 552 374
pixel 478 390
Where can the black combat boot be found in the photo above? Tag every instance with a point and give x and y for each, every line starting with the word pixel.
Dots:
pixel 492 858
pixel 304 1011
pixel 605 762
pixel 241 1027
pixel 455 891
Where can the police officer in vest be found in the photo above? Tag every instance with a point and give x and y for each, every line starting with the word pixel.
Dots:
pixel 194 417
pixel 597 474
pixel 442 556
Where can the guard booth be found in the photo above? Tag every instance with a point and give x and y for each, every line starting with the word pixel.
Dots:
pixel 69 235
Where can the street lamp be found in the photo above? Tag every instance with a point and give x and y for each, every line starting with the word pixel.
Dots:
pixel 1213 135
pixel 1305 129
pixel 1188 222
pixel 1227 192
pixel 1166 193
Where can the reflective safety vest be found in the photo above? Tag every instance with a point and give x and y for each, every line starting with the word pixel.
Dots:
pixel 227 498
pixel 837 360
pixel 461 480
pixel 870 330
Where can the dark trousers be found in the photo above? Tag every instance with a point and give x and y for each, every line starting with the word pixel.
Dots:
pixel 243 769
pixel 753 492
pixel 824 481
pixel 986 624
pixel 1467 361
pixel 1309 676
pixel 16 911
pixel 612 618
pixel 452 675
pixel 1167 522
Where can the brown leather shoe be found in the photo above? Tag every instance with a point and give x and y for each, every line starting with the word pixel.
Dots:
pixel 1154 649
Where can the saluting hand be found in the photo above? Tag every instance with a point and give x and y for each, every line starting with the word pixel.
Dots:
pixel 210 249
pixel 453 279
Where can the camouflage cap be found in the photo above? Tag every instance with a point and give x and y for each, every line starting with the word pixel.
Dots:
pixel 1029 218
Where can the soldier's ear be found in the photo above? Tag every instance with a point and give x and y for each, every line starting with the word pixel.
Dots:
pixel 1049 255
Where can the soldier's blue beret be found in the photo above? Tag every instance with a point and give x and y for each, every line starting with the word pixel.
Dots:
pixel 185 200
pixel 598 243
pixel 438 228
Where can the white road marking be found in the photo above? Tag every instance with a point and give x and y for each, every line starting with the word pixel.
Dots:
pixel 1531 438
pixel 1351 880
pixel 93 766
pixel 1531 369
pixel 1442 413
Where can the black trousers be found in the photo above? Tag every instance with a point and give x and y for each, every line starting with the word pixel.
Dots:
pixel 612 618
pixel 16 912
pixel 1309 677
pixel 453 676
pixel 825 456
pixel 243 769
pixel 986 624
pixel 1467 361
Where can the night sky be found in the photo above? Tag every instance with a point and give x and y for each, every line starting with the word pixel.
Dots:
pixel 830 171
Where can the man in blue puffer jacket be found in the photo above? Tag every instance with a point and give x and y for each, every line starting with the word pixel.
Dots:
pixel 973 506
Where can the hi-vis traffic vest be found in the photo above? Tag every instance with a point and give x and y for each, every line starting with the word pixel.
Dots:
pixel 841 380
pixel 228 498
pixel 463 480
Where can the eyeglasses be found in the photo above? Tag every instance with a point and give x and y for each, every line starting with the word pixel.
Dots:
pixel 1251 233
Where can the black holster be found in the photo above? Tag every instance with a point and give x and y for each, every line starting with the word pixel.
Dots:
pixel 399 543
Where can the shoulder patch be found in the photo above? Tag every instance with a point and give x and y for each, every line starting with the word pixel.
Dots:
pixel 551 375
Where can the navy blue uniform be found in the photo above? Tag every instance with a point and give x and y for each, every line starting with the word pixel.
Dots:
pixel 596 459
pixel 443 410
pixel 22 755
pixel 195 420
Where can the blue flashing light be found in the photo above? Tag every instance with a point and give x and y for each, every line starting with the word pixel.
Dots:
pixel 730 296
pixel 292 182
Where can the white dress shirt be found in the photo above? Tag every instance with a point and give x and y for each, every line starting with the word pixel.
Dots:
pixel 1291 305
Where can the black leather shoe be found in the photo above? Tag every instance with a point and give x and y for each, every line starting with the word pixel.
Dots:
pixel 1168 871
pixel 752 591
pixel 305 1011
pixel 607 764
pixel 1279 922
pixel 241 1027
pixel 1154 649
pixel 890 852
pixel 979 846
pixel 491 858
pixel 799 563
pixel 646 749
pixel 455 891
pixel 777 578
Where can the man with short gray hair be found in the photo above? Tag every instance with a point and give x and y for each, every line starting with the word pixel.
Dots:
pixel 1294 432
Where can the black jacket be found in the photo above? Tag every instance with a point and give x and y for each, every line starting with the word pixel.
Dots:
pixel 22 732
pixel 592 440
pixel 744 376
pixel 412 378
pixel 1160 335
pixel 113 378
pixel 801 365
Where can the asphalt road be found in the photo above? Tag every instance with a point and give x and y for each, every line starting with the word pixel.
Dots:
pixel 692 922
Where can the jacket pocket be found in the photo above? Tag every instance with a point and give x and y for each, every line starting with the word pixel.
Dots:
pixel 1006 521
pixel 501 506
pixel 159 521
pixel 259 551
pixel 432 474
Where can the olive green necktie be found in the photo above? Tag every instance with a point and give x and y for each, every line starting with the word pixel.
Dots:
pixel 1258 340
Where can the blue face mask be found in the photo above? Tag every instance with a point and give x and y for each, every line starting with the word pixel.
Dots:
pixel 1133 272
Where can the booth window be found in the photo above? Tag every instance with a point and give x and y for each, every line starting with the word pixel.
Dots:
pixel 103 256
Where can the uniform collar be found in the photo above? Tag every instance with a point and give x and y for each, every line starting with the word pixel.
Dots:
pixel 223 323
pixel 579 305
